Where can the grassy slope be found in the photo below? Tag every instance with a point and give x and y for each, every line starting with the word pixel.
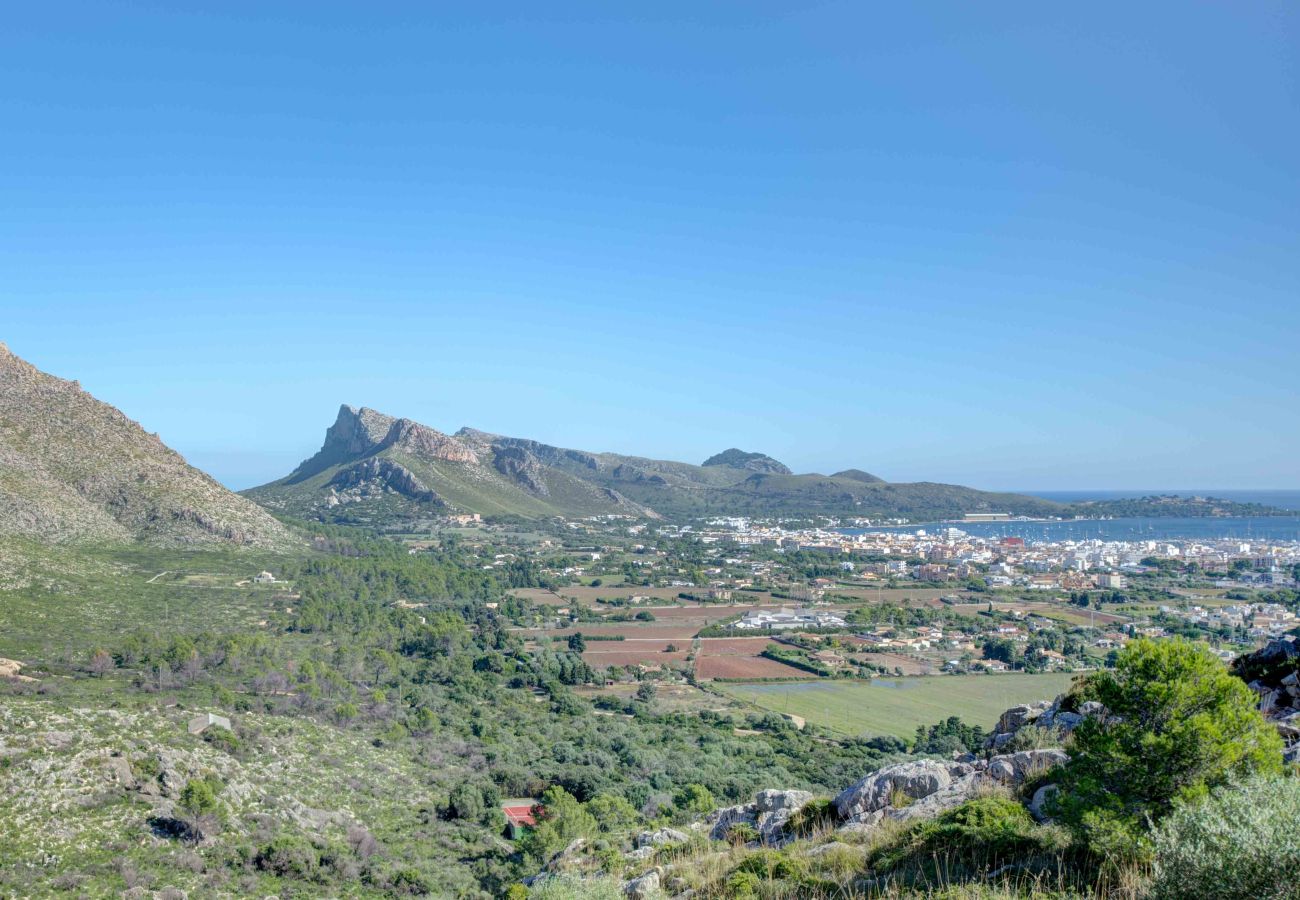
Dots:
pixel 857 708
pixel 75 599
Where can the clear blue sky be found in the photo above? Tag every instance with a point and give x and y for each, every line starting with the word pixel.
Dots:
pixel 1010 245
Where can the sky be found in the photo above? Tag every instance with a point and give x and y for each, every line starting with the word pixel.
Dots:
pixel 1018 245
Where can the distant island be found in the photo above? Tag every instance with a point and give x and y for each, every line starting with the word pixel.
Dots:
pixel 1173 506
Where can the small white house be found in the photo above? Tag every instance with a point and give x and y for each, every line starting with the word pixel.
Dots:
pixel 264 578
pixel 202 722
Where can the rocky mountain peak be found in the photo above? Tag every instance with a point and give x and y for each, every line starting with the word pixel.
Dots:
pixel 749 462
pixel 358 431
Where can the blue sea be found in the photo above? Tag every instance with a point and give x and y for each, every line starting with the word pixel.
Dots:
pixel 1245 528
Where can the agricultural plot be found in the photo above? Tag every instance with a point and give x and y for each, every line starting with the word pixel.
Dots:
pixel 909 665
pixel 628 630
pixel 897 706
pixel 739 658
pixel 602 654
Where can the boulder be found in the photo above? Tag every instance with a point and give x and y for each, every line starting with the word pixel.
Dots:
pixel 915 779
pixel 731 815
pixel 1018 717
pixel 660 838
pixel 644 887
pixel 774 810
pixel 1037 806
pixel 942 800
pixel 768 814
pixel 1013 768
pixel 118 769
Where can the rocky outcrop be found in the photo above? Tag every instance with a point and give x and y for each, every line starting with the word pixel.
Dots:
pixel 643 887
pixel 768 815
pixel 428 443
pixel 522 467
pixel 662 837
pixel 378 474
pixel 1043 715
pixel 925 788
pixel 913 780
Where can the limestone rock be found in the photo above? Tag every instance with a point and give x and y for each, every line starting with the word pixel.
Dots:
pixel 768 814
pixel 644 887
pixel 1037 805
pixel 1013 768
pixel 915 779
pixel 661 838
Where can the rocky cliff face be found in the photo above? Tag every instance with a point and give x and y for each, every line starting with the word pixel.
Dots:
pixel 73 469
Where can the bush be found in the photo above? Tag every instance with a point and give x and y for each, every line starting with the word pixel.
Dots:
pixel 976 837
pixel 813 816
pixel 1178 725
pixel 288 856
pixel 772 865
pixel 1241 842
pixel 742 886
pixel 222 739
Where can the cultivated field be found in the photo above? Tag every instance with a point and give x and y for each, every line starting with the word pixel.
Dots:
pixel 910 665
pixel 739 658
pixel 708 668
pixel 600 654
pixel 897 706
pixel 629 630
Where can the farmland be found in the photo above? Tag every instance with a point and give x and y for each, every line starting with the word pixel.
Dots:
pixel 600 654
pixel 897 706
pixel 739 658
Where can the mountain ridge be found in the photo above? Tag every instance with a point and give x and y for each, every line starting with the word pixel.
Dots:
pixel 376 468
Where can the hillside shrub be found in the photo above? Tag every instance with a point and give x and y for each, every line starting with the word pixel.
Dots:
pixel 772 865
pixel 1178 725
pixel 1240 843
pixel 288 856
pixel 813 816
pixel 980 835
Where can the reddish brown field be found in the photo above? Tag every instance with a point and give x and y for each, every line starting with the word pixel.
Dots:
pixel 747 646
pixel 600 654
pixel 628 630
pixel 710 667
pixel 739 658
pixel 909 665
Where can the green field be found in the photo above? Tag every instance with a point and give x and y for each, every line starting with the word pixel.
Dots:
pixel 898 705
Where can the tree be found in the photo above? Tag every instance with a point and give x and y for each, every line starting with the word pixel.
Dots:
pixel 1176 723
pixel 646 691
pixel 577 643
pixel 561 819
pixel 695 798
pixel 100 662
